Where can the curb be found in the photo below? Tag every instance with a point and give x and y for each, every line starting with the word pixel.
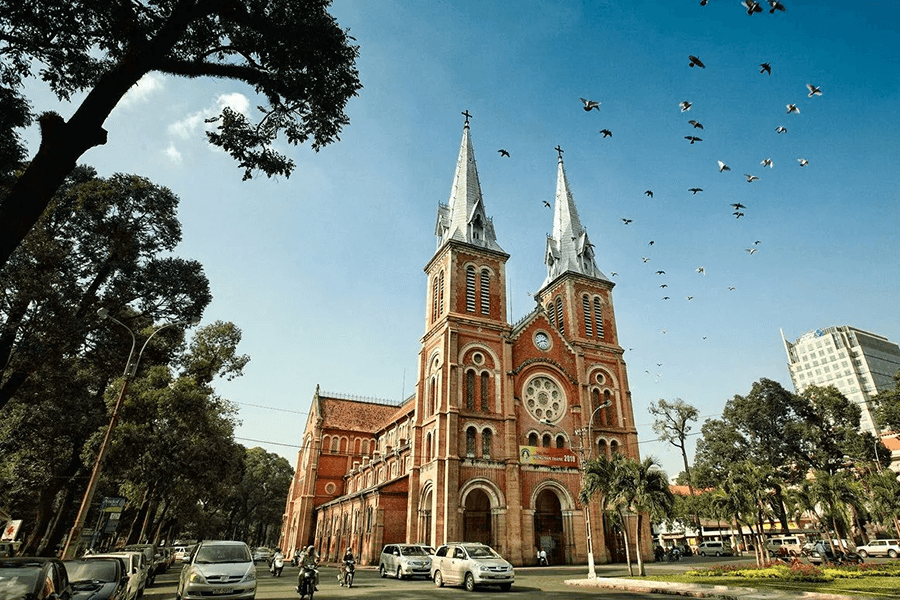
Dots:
pixel 698 590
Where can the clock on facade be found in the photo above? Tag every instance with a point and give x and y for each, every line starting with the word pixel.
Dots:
pixel 542 340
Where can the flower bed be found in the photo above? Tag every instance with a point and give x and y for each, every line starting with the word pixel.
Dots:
pixel 798 571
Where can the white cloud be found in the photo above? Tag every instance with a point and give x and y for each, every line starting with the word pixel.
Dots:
pixel 186 127
pixel 142 90
pixel 236 102
pixel 172 153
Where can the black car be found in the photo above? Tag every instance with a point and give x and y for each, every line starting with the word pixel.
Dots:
pixel 98 579
pixel 34 578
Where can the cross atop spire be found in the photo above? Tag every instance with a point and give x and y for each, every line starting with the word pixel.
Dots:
pixel 560 151
pixel 466 114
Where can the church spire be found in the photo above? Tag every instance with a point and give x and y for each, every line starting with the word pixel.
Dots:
pixel 568 247
pixel 463 218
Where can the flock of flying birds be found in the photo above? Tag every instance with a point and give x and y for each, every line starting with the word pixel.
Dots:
pixel 738 209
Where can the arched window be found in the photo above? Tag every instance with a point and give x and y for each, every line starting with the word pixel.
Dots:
pixel 485 292
pixel 470 442
pixel 470 289
pixel 470 390
pixel 428 446
pixel 547 440
pixel 588 321
pixel 560 441
pixel 601 448
pixel 559 316
pixel 334 444
pixel 532 439
pixel 485 393
pixel 441 293
pixel 356 446
pixel 477 228
pixel 486 437
pixel 551 314
pixel 434 300
pixel 595 402
pixel 609 412
pixel 598 317
pixel 613 447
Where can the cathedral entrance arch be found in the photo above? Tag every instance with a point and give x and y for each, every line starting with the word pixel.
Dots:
pixel 477 517
pixel 425 504
pixel 549 531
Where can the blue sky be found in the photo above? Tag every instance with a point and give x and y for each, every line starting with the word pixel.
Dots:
pixel 323 271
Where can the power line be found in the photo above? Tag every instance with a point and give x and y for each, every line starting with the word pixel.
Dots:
pixel 268 442
pixel 298 412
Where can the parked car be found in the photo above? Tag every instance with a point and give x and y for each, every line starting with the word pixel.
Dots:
pixel 714 549
pixel 470 565
pixel 429 549
pixel 154 560
pixel 34 578
pixel 218 568
pixel 263 554
pixel 785 545
pixel 7 549
pixel 135 567
pixel 889 548
pixel 404 560
pixel 98 579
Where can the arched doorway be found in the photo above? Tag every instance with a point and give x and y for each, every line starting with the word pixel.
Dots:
pixel 425 519
pixel 548 526
pixel 477 517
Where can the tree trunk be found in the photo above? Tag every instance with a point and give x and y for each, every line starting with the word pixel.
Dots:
pixel 627 543
pixel 41 522
pixel 133 531
pixel 641 571
pixel 58 529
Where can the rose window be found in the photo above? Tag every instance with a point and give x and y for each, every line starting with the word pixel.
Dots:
pixel 544 399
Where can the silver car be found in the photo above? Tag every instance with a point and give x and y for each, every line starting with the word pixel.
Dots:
pixel 470 565
pixel 404 560
pixel 222 569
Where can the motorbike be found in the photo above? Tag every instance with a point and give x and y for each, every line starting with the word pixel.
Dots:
pixel 277 566
pixel 306 582
pixel 673 554
pixel 542 559
pixel 345 577
pixel 295 560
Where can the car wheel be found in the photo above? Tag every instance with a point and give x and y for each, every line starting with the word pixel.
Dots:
pixel 470 583
pixel 505 587
pixel 703 554
pixel 718 554
pixel 891 553
pixel 438 579
pixel 381 571
pixel 399 573
pixel 863 553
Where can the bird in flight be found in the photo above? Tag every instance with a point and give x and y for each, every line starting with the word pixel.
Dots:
pixel 696 62
pixel 757 243
pixel 813 90
pixel 803 162
pixel 606 132
pixel 590 104
pixel 613 273
pixel 792 108
pixel 780 129
pixel 737 214
pixel 723 167
pixel 666 298
pixel 776 5
pixel 695 190
pixel 649 193
pixel 627 221
pixel 730 288
pixel 750 178
pixel 696 124
pixel 751 6
pixel 664 285
pixel 765 68
pixel 547 204
pixel 645 259
pixel 701 270
pixel 690 297
pixel 503 152
pixel 767 162
pixel 651 243
pixel 660 272
pixel 693 138
pixel 685 106
pixel 738 206
pixel 752 251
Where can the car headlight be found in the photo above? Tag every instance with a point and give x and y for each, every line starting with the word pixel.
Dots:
pixel 251 575
pixel 483 567
pixel 196 577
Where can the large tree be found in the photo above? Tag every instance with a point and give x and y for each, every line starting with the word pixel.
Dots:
pixel 291 52
pixel 672 423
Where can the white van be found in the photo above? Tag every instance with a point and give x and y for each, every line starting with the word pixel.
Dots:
pixel 714 549
pixel 785 544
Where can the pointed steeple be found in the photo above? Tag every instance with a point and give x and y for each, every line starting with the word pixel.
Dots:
pixel 568 247
pixel 463 218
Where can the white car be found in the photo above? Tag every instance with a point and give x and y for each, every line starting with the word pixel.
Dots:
pixel 470 565
pixel 221 569
pixel 888 548
pixel 135 564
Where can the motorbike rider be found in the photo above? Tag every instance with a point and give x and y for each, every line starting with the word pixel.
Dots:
pixel 348 558
pixel 309 560
pixel 542 558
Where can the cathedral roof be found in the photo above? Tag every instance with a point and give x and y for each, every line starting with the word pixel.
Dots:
pixel 463 218
pixel 353 415
pixel 568 247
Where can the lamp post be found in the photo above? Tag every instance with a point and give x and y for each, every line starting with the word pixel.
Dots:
pixel 130 370
pixel 585 434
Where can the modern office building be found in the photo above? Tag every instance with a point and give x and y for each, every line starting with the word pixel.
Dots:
pixel 490 446
pixel 858 363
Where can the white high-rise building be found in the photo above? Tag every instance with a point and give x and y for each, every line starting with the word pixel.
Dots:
pixel 858 363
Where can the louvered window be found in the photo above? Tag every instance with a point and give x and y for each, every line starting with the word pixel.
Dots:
pixel 434 301
pixel 559 316
pixel 588 321
pixel 470 289
pixel 598 317
pixel 470 390
pixel 485 394
pixel 551 314
pixel 470 441
pixel 441 294
pixel 485 292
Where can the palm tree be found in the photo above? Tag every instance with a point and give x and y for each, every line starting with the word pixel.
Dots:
pixel 885 491
pixel 834 493
pixel 601 478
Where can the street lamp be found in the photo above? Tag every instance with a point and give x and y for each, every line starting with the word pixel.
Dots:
pixel 585 433
pixel 130 370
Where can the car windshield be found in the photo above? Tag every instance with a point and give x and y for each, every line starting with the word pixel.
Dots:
pixel 91 570
pixel 17 582
pixel 412 551
pixel 481 552
pixel 222 554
